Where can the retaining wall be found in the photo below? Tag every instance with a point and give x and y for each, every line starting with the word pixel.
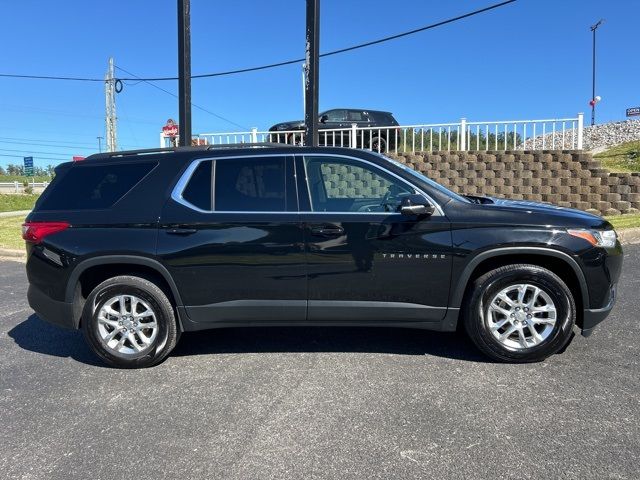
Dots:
pixel 565 178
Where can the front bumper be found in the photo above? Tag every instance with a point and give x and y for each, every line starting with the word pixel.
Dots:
pixel 53 311
pixel 593 316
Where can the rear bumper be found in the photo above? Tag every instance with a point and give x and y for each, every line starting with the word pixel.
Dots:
pixel 53 311
pixel 592 317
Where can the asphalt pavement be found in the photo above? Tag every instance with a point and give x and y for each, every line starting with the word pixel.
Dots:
pixel 325 403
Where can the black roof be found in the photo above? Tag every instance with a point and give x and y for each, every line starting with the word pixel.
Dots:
pixel 212 151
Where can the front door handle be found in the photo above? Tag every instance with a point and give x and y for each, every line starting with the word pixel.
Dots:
pixel 181 231
pixel 327 231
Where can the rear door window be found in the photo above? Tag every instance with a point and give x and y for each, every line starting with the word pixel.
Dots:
pixel 250 185
pixel 94 187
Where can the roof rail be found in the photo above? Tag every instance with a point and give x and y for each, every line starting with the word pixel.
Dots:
pixel 146 151
pixel 195 148
pixel 250 145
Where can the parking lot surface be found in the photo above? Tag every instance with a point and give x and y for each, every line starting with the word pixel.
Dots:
pixel 318 403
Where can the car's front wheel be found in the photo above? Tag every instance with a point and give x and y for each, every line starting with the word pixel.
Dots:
pixel 129 322
pixel 519 313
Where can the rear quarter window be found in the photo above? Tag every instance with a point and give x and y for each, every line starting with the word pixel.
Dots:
pixel 93 187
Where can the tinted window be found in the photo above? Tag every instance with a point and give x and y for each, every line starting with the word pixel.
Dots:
pixel 383 118
pixel 198 190
pixel 336 115
pixel 86 187
pixel 250 185
pixel 342 185
pixel 356 116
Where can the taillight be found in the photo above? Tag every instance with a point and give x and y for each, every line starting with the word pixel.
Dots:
pixel 35 232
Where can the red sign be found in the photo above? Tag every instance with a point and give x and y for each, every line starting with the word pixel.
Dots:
pixel 77 158
pixel 170 129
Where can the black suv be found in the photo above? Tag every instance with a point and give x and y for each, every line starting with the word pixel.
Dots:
pixel 136 247
pixel 377 130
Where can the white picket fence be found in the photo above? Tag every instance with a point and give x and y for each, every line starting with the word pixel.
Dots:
pixel 545 134
pixel 18 187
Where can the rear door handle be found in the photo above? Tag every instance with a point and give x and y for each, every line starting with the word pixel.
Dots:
pixel 327 231
pixel 181 231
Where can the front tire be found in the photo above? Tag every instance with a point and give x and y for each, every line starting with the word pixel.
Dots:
pixel 129 322
pixel 378 144
pixel 519 313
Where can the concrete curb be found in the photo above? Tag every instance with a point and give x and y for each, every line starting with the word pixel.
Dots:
pixel 21 213
pixel 629 236
pixel 10 252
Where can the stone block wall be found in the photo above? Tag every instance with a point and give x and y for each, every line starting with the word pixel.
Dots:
pixel 565 178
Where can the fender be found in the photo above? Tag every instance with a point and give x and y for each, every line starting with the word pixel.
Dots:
pixel 458 292
pixel 130 259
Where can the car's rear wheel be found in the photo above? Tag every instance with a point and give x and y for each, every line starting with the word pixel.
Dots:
pixel 519 313
pixel 129 322
pixel 378 144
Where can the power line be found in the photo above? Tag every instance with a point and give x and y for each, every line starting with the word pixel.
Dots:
pixel 279 64
pixel 59 160
pixel 31 152
pixel 38 144
pixel 50 143
pixel 175 96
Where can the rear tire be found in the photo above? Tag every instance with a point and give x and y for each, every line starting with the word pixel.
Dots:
pixel 129 322
pixel 375 141
pixel 510 328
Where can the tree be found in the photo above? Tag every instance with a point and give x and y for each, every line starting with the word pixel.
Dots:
pixel 2 171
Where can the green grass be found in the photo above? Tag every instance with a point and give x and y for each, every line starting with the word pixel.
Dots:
pixel 22 179
pixel 625 221
pixel 11 233
pixel 14 202
pixel 621 158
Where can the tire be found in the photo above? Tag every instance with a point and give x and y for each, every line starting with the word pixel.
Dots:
pixel 373 145
pixel 102 317
pixel 481 316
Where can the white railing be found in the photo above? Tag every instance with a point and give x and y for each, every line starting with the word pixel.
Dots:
pixel 546 134
pixel 18 187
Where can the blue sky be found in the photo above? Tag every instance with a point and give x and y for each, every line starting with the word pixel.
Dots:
pixel 530 59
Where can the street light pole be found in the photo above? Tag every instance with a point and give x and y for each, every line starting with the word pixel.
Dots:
pixel 312 63
pixel 184 72
pixel 593 79
pixel 99 144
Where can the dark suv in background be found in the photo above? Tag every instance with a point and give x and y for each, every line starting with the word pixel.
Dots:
pixel 378 134
pixel 136 247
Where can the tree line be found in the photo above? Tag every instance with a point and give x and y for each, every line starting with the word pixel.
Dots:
pixel 18 170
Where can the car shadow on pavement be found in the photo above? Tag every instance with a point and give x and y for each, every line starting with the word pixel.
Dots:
pixel 398 341
pixel 38 336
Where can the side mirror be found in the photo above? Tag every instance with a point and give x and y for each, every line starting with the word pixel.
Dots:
pixel 416 204
pixel 324 118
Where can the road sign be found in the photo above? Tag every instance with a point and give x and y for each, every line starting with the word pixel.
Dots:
pixel 633 111
pixel 170 129
pixel 28 166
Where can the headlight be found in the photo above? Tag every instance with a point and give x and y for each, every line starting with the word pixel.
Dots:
pixel 597 238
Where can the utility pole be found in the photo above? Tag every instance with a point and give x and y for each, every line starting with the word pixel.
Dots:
pixel 110 110
pixel 184 72
pixel 312 64
pixel 99 144
pixel 593 79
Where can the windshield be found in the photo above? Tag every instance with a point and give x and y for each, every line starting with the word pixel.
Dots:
pixel 425 179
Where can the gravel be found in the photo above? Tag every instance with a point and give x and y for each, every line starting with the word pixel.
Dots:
pixel 597 138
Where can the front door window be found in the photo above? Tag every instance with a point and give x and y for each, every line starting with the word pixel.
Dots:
pixel 346 185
